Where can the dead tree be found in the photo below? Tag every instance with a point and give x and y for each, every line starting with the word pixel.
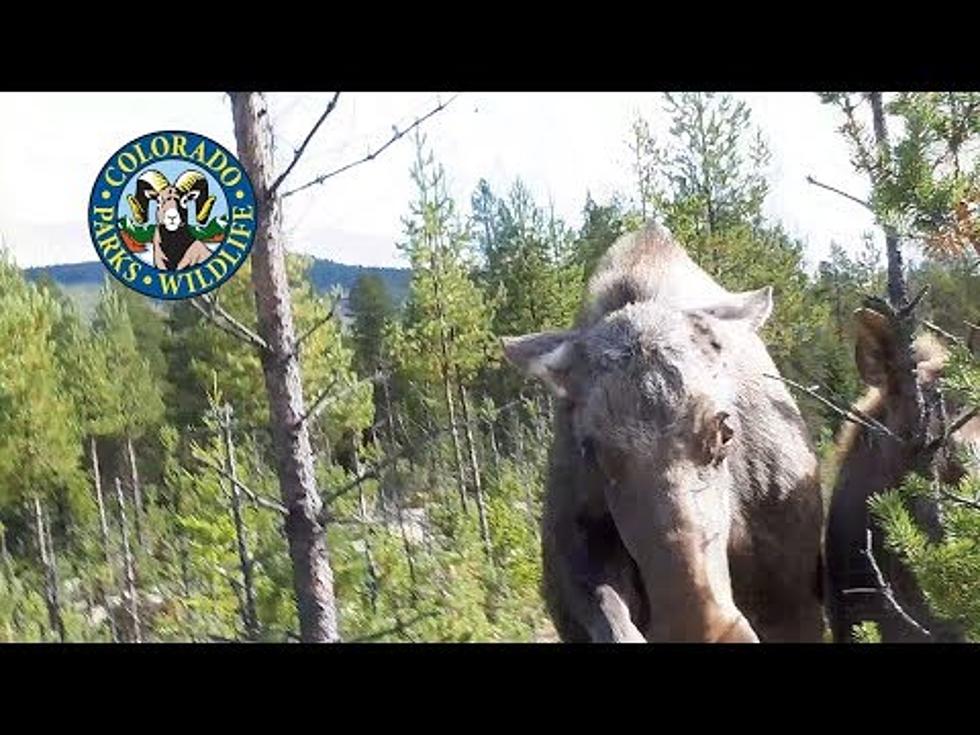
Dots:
pixel 922 432
pixel 373 577
pixel 51 593
pixel 134 477
pixel 481 506
pixel 100 501
pixel 129 569
pixel 279 348
pixel 312 577
pixel 250 618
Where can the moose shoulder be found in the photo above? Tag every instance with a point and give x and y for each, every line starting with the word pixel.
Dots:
pixel 682 500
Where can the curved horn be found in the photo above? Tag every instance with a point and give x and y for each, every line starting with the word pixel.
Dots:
pixel 191 180
pixel 140 203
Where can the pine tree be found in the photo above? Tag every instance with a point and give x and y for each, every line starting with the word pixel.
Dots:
pixel 924 188
pixel 372 310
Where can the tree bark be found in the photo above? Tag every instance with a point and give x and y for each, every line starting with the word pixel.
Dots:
pixel 518 437
pixel 898 292
pixel 51 596
pixel 129 570
pixel 250 617
pixel 312 576
pixel 134 476
pixel 481 507
pixel 97 482
pixel 372 569
pixel 494 449
pixel 5 554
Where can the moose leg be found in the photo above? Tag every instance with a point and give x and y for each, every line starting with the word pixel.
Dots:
pixel 591 586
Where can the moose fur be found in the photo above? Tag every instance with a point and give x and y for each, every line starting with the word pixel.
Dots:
pixel 867 464
pixel 683 501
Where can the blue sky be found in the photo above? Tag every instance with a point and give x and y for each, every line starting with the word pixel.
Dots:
pixel 561 144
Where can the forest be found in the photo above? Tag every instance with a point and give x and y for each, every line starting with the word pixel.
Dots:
pixel 155 486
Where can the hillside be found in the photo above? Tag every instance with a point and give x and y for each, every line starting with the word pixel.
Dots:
pixel 81 281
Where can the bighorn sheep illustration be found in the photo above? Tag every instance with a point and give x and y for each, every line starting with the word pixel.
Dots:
pixel 174 245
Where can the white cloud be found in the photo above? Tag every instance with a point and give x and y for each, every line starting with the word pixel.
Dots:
pixel 562 145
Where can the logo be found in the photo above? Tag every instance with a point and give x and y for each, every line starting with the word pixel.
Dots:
pixel 172 215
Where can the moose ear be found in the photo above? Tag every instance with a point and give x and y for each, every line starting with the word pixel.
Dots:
pixel 544 355
pixel 873 346
pixel 752 307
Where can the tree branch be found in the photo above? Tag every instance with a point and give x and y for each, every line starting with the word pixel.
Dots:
pixel 942 332
pixel 399 627
pixel 319 323
pixel 299 151
pixel 233 327
pixel 321 401
pixel 389 460
pixel 886 591
pixel 373 154
pixel 962 420
pixel 316 406
pixel 960 499
pixel 846 413
pixel 817 385
pixel 907 310
pixel 251 494
pixel 828 187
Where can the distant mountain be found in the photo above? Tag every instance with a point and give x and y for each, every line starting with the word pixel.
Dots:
pixel 82 281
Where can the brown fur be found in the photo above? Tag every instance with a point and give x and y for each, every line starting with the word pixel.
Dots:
pixel 867 464
pixel 665 379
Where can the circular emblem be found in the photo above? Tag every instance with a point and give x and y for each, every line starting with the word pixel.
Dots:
pixel 172 215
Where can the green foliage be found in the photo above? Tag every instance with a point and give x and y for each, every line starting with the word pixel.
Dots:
pixel 409 563
pixel 372 310
pixel 925 179
pixel 39 445
pixel 131 404
pixel 867 632
pixel 602 226
pixel 948 571
pixel 446 325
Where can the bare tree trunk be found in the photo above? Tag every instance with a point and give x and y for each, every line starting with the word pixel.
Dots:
pixel 494 449
pixel 518 437
pixel 185 578
pixel 454 433
pixel 312 576
pixel 898 296
pixel 97 481
pixel 128 567
pixel 372 570
pixel 9 577
pixel 406 544
pixel 898 293
pixel 481 507
pixel 51 597
pixel 250 617
pixel 134 476
pixel 5 553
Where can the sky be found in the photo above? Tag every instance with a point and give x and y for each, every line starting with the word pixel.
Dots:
pixel 562 145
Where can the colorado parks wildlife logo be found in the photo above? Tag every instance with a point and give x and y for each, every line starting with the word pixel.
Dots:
pixel 172 215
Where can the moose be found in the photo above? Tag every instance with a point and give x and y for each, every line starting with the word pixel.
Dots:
pixel 871 460
pixel 683 501
pixel 174 245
